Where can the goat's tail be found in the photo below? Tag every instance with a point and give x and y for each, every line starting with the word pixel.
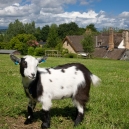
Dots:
pixel 95 80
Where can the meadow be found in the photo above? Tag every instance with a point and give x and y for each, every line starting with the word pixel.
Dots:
pixel 108 107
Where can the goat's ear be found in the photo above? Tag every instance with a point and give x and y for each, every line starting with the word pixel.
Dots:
pixel 15 59
pixel 42 59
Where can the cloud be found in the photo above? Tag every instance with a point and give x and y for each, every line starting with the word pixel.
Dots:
pixel 52 11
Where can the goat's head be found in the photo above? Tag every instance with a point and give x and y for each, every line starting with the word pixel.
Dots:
pixel 28 65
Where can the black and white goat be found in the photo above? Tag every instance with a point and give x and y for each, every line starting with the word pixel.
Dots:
pixel 45 84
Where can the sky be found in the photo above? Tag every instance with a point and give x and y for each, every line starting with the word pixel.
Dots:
pixel 101 13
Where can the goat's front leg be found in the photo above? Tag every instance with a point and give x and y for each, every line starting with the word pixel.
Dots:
pixel 30 108
pixel 46 112
pixel 46 120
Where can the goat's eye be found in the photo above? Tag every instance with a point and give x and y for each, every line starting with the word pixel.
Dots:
pixel 25 63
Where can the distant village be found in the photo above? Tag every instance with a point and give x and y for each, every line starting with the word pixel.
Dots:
pixel 112 45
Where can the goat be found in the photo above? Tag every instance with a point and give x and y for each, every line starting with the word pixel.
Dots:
pixel 45 84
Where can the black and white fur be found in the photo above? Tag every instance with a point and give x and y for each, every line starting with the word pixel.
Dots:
pixel 45 84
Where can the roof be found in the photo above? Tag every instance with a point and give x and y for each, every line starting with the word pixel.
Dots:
pixel 41 42
pixel 75 42
pixel 104 39
pixel 3 51
pixel 103 53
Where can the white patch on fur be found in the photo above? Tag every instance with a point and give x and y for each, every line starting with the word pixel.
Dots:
pixel 79 107
pixel 46 101
pixel 58 84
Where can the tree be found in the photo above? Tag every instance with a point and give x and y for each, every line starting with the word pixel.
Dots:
pixel 68 29
pixel 37 34
pixel 53 38
pixel 19 42
pixel 29 28
pixel 18 28
pixel 88 43
pixel 44 33
pixel 1 37
pixel 91 27
pixel 14 28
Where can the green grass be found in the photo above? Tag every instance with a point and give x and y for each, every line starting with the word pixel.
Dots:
pixel 108 107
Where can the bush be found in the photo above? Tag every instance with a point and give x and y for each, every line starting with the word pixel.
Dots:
pixel 39 51
pixel 70 55
pixel 3 45
pixel 31 51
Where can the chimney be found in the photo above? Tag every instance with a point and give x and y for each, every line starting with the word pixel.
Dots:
pixel 126 39
pixel 111 39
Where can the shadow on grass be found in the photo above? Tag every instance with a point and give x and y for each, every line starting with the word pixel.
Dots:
pixel 67 112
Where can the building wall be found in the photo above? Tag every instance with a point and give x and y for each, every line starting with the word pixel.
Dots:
pixel 121 45
pixel 66 45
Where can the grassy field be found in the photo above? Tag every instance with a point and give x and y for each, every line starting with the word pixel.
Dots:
pixel 108 107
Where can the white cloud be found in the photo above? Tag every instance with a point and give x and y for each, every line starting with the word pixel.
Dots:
pixel 5 3
pixel 124 14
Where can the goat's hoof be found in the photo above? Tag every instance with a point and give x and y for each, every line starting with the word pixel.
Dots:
pixel 45 125
pixel 77 122
pixel 28 121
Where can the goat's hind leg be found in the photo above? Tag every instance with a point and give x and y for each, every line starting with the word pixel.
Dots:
pixel 79 113
pixel 30 108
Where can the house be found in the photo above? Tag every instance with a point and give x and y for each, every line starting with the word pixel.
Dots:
pixel 73 44
pixel 3 51
pixel 111 45
pixel 107 45
pixel 41 43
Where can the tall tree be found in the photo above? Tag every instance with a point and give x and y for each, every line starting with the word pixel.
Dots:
pixel 91 27
pixel 68 29
pixel 44 33
pixel 88 43
pixel 37 34
pixel 19 28
pixel 29 28
pixel 13 29
pixel 53 38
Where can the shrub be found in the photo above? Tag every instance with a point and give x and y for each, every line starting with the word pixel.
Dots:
pixel 39 51
pixel 31 51
pixel 70 55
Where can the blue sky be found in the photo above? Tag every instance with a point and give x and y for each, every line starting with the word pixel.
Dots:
pixel 109 6
pixel 102 13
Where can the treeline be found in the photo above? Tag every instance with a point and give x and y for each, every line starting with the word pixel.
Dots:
pixel 22 36
pixel 26 37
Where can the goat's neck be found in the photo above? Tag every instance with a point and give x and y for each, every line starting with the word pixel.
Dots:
pixel 26 81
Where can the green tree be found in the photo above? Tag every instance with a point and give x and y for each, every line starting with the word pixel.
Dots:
pixel 19 42
pixel 91 27
pixel 18 28
pixel 1 37
pixel 37 34
pixel 68 29
pixel 44 33
pixel 29 28
pixel 13 29
pixel 53 38
pixel 88 43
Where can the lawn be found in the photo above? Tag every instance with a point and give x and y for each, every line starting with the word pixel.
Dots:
pixel 108 107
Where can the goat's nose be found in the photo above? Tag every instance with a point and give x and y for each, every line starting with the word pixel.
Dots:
pixel 33 74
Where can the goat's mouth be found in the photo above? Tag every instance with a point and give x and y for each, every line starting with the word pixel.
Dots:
pixel 32 78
